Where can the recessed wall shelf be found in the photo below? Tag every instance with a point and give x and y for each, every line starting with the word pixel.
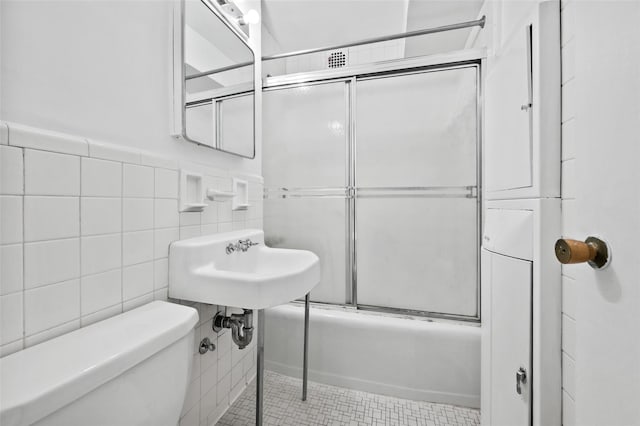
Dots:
pixel 191 199
pixel 241 190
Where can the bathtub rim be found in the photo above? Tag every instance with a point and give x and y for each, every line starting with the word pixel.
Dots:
pixel 378 311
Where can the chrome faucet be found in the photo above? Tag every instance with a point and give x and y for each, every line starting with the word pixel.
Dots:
pixel 246 244
pixel 241 245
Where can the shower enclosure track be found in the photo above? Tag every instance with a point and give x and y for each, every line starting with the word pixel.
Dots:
pixel 425 31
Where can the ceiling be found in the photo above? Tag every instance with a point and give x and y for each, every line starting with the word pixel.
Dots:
pixel 290 25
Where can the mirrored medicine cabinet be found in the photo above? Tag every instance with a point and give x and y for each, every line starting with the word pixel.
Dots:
pixel 216 74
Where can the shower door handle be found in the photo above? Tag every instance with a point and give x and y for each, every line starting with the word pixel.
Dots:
pixel 521 379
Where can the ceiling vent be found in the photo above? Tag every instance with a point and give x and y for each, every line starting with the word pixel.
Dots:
pixel 337 59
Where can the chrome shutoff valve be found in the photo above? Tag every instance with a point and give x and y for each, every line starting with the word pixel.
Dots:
pixel 206 346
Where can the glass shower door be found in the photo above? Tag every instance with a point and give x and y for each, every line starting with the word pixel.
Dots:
pixel 416 192
pixel 305 142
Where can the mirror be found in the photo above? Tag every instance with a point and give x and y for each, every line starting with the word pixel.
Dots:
pixel 218 83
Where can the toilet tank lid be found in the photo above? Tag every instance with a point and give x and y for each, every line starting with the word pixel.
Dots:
pixel 41 379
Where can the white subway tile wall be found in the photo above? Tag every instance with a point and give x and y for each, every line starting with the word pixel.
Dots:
pixel 100 215
pixel 166 183
pixel 11 269
pixel 137 280
pixel 137 214
pixel 11 224
pixel 11 170
pixel 100 253
pixel 11 316
pixel 85 235
pixel 138 181
pixel 569 185
pixel 50 306
pixel 48 218
pixel 101 178
pixel 137 247
pixel 100 291
pixel 49 262
pixel 48 173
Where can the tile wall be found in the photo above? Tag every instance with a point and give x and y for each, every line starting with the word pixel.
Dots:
pixel 85 233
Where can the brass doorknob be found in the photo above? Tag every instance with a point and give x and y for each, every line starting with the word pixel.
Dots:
pixel 593 250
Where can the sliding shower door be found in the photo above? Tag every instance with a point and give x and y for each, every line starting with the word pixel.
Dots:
pixel 416 177
pixel 305 141
pixel 378 175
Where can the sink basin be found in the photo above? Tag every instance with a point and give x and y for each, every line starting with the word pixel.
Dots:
pixel 202 270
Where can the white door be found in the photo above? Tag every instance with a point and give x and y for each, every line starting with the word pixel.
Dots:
pixel 510 280
pixel 601 333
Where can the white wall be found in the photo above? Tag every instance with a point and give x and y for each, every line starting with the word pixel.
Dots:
pixel 600 177
pixel 87 215
pixel 101 70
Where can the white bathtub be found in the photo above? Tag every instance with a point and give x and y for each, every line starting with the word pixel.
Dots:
pixel 409 358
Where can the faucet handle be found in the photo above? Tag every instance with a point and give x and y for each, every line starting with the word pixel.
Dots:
pixel 247 243
pixel 241 245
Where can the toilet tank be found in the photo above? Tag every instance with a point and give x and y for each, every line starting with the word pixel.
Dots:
pixel 131 369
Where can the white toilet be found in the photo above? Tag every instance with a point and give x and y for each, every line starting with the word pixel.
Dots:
pixel 132 369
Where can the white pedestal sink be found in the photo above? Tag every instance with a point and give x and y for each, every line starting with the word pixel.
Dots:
pixel 237 269
pixel 247 276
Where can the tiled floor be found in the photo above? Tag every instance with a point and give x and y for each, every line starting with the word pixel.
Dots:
pixel 330 405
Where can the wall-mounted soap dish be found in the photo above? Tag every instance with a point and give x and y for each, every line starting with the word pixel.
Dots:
pixel 220 196
pixel 191 192
pixel 241 190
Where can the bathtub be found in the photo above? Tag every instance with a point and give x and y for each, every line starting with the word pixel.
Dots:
pixel 404 357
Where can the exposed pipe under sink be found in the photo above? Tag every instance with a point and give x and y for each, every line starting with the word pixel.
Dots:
pixel 241 326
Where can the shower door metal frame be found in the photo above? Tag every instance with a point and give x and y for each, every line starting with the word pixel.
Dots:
pixel 349 77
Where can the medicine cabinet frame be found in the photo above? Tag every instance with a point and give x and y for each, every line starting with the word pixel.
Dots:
pixel 178 125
